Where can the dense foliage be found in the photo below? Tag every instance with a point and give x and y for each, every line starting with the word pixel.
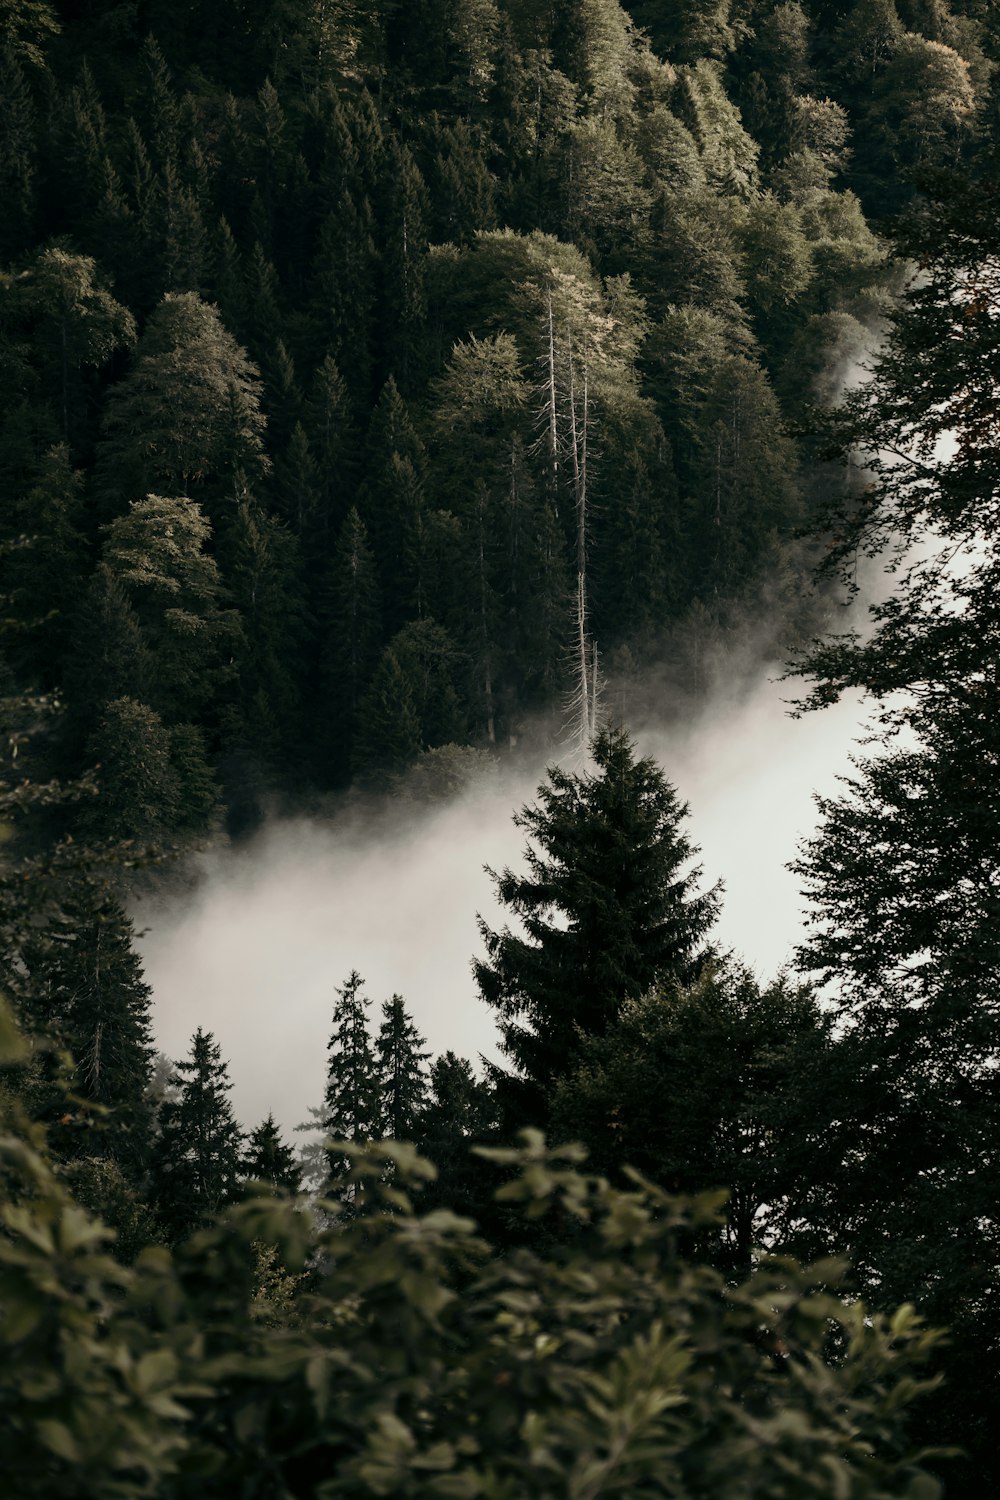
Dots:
pixel 417 1360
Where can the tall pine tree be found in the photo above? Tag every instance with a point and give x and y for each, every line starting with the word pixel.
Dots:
pixel 608 907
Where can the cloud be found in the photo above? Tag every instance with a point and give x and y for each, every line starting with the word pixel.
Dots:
pixel 254 950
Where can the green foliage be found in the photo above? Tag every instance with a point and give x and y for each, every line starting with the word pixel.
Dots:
pixel 429 1364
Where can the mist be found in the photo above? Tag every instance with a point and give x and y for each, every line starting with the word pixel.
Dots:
pixel 253 952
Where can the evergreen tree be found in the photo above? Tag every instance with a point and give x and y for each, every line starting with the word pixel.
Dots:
pixel 196 1162
pixel 266 1158
pixel 351 637
pixel 75 322
pixel 399 1066
pixel 139 789
pixel 606 910
pixel 351 1102
pixel 158 553
pixel 387 738
pixel 716 1083
pixel 187 413
pixel 109 658
pixel 18 156
pixel 82 984
pixel 44 574
pixel 902 873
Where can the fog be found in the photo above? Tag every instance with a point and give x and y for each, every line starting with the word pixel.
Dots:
pixel 254 951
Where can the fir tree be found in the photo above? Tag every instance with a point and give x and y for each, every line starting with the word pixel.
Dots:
pixel 399 1065
pixel 196 1163
pixel 187 413
pixel 387 738
pixel 266 1158
pixel 607 910
pixel 351 1102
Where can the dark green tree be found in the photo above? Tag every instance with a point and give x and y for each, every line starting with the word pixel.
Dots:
pixel 266 1158
pixel 74 323
pixel 18 155
pixel 139 787
pixel 188 411
pixel 81 984
pixel 351 637
pixel 607 908
pixel 158 554
pixel 718 1083
pixel 351 1103
pixel 196 1160
pixel 903 871
pixel 399 1066
pixel 387 737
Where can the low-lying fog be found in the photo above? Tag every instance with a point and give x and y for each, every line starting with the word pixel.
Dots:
pixel 255 952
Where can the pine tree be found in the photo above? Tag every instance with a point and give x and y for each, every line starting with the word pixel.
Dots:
pixel 387 737
pixel 158 554
pixel 197 1156
pixel 18 156
pixel 399 1065
pixel 351 639
pixel 266 1158
pixel 187 413
pixel 607 911
pixel 109 657
pixel 44 574
pixel 351 1102
pixel 139 790
pixel 333 443
pixel 87 991
pixel 75 322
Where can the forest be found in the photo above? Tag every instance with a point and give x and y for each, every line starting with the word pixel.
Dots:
pixel 388 385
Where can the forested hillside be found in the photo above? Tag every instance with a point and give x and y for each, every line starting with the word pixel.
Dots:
pixel 384 384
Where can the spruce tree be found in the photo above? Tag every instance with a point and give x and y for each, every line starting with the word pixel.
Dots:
pixel 81 982
pixel 607 908
pixel 402 1081
pixel 350 637
pixel 197 1157
pixel 387 737
pixel 188 411
pixel 351 1101
pixel 267 1159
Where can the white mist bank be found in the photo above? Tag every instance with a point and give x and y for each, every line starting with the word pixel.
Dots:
pixel 254 953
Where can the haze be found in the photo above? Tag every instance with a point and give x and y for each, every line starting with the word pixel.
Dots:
pixel 254 953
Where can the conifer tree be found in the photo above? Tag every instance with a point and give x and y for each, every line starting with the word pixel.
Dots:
pixel 158 553
pixel 266 1158
pixel 351 638
pixel 75 322
pixel 399 1065
pixel 18 156
pixel 333 443
pixel 86 989
pixel 109 657
pixel 197 1156
pixel 139 789
pixel 607 907
pixel 351 1101
pixel 188 411
pixel 387 737
pixel 44 574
